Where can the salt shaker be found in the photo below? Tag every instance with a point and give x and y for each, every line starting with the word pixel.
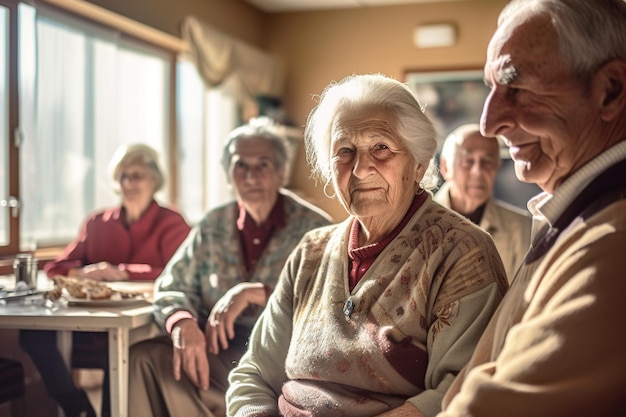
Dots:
pixel 25 269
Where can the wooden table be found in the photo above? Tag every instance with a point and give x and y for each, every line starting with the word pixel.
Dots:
pixel 124 325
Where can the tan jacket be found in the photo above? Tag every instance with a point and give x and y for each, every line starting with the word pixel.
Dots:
pixel 555 348
pixel 509 226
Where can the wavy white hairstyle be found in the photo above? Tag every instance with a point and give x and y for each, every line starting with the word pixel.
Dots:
pixel 366 91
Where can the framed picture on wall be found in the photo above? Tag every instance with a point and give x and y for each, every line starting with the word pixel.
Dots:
pixel 455 97
pixel 451 98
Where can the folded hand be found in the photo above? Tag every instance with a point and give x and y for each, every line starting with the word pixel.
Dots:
pixel 220 327
pixel 101 271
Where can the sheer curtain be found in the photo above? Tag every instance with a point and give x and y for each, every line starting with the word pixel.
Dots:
pixel 83 92
pixel 220 77
pixel 204 119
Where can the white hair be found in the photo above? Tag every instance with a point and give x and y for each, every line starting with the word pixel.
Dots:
pixel 591 32
pixel 371 90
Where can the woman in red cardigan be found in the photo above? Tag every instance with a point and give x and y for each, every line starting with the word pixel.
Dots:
pixel 133 241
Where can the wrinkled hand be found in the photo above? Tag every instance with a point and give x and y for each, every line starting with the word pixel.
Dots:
pixel 190 353
pixel 101 271
pixel 220 327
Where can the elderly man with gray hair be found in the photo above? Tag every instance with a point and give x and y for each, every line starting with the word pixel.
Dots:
pixel 555 347
pixel 469 163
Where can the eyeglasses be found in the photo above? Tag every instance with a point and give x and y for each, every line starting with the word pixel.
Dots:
pixel 132 177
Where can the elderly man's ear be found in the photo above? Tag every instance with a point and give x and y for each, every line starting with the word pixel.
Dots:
pixel 610 81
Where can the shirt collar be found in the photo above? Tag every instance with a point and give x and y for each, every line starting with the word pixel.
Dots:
pixel 551 206
pixel 276 218
pixel 375 248
pixel 151 211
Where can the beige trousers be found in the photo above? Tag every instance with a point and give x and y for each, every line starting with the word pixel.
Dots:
pixel 152 390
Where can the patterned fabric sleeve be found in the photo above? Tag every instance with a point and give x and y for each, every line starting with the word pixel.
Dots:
pixel 176 287
pixel 210 261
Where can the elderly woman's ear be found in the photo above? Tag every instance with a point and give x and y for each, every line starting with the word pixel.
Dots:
pixel 420 170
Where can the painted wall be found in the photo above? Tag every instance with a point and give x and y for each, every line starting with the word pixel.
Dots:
pixel 234 17
pixel 317 47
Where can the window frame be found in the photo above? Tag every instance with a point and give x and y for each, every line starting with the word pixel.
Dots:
pixel 132 31
pixel 12 125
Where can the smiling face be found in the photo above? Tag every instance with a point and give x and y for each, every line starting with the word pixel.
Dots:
pixel 374 174
pixel 254 175
pixel 546 116
pixel 473 172
pixel 137 185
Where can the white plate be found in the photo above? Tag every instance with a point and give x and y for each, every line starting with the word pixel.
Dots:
pixel 125 302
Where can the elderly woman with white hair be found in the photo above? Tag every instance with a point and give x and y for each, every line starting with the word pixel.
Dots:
pixel 132 241
pixel 375 315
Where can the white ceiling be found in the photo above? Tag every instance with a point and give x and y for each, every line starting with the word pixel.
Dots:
pixel 273 6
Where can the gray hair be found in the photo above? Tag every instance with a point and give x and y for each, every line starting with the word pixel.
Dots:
pixel 591 32
pixel 259 127
pixel 355 92
pixel 455 140
pixel 137 154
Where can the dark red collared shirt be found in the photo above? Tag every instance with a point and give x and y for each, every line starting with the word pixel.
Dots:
pixel 254 237
pixel 361 258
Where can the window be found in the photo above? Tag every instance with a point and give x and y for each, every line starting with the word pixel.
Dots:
pixel 4 103
pixel 8 202
pixel 204 119
pixel 84 89
pixel 83 92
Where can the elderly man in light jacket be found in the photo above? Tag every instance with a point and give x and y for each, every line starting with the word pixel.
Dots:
pixel 469 163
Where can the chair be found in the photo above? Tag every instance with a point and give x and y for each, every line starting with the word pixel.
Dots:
pixel 12 385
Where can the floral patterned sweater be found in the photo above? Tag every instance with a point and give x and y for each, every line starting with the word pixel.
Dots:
pixel 210 261
pixel 402 334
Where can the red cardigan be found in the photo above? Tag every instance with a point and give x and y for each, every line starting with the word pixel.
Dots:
pixel 141 249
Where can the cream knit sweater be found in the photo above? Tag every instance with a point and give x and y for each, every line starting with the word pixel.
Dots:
pixel 403 333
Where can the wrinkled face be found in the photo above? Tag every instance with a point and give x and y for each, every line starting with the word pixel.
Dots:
pixel 474 171
pixel 254 175
pixel 137 184
pixel 373 172
pixel 545 115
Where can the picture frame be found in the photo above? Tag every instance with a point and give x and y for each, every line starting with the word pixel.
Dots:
pixel 454 97
pixel 450 97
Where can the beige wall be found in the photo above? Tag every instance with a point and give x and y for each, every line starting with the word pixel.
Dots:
pixel 234 17
pixel 315 48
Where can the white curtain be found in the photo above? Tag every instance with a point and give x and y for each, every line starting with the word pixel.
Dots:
pixel 83 92
pixel 234 74
pixel 205 118
pixel 219 57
